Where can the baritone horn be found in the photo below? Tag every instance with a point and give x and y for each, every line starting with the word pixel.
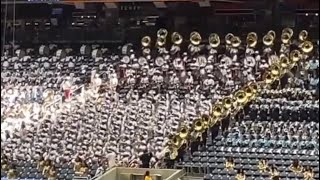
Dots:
pixel 214 40
pixel 252 39
pixel 195 38
pixel 146 41
pixel 176 38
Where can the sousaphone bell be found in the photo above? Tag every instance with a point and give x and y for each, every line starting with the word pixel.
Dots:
pixel 214 40
pixel 176 38
pixel 252 39
pixel 146 41
pixel 195 38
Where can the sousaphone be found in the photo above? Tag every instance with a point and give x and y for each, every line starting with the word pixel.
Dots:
pixel 214 40
pixel 252 39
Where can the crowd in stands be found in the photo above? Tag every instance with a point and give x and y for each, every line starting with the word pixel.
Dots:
pixel 66 116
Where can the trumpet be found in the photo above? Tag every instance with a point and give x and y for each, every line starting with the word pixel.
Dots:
pixel 252 39
pixel 195 38
pixel 214 40
pixel 146 41
pixel 269 38
pixel 176 38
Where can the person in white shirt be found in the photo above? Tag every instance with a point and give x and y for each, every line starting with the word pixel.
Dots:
pixel 111 156
pixel 66 86
pixel 96 83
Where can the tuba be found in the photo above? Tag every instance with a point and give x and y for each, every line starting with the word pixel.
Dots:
pixel 241 97
pixel 195 38
pixel 235 41
pixel 183 132
pixel 286 35
pixel 146 41
pixel 295 55
pixel 306 47
pixel 162 33
pixel 268 78
pixel 269 38
pixel 218 111
pixel 228 38
pixel 214 40
pixel 285 62
pixel 228 103
pixel 252 39
pixel 176 38
pixel 303 35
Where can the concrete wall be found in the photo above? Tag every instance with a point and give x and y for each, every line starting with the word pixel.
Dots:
pixel 138 174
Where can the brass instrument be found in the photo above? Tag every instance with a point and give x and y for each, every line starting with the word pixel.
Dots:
pixel 198 126
pixel 228 38
pixel 218 110
pixel 295 55
pixel 275 70
pixel 213 120
pixel 250 92
pixel 269 38
pixel 303 35
pixel 161 41
pixel 228 103
pixel 241 97
pixel 229 165
pixel 285 62
pixel 195 38
pixel 296 170
pixel 286 35
pixel 146 41
pixel 240 176
pixel 183 132
pixel 176 38
pixel 206 121
pixel 161 37
pixel 268 78
pixel 263 166
pixel 176 141
pixel 308 174
pixel 214 40
pixel 235 41
pixel 252 39
pixel 288 31
pixel 306 47
pixel 162 33
pixel 173 154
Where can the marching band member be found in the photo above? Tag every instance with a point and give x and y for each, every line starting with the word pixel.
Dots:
pixel 240 175
pixel 96 83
